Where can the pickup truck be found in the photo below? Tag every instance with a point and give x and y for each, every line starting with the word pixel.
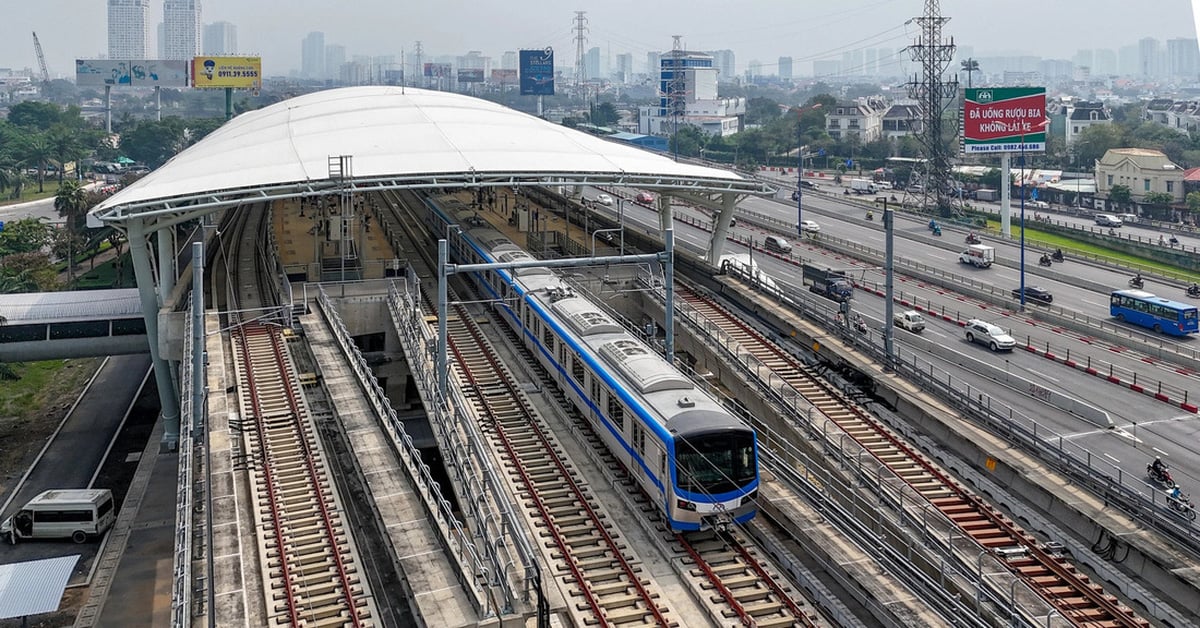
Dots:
pixel 910 320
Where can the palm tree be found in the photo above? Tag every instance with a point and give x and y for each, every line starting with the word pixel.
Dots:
pixel 970 66
pixel 65 147
pixel 71 201
pixel 38 150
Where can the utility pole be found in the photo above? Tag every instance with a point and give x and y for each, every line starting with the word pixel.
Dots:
pixel 580 39
pixel 933 94
pixel 420 71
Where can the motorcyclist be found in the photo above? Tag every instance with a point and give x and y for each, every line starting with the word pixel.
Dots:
pixel 1194 289
pixel 1174 241
pixel 1175 493
pixel 859 323
pixel 1137 279
pixel 1162 241
pixel 1045 261
pixel 870 215
pixel 1158 468
pixel 1058 254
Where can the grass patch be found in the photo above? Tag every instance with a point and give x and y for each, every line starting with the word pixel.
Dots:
pixel 1045 239
pixel 105 276
pixel 42 383
pixel 30 193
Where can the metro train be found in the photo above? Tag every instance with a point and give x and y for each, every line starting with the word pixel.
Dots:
pixel 698 462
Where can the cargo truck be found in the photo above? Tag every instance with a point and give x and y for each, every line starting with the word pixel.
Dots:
pixel 978 255
pixel 987 195
pixel 863 186
pixel 828 283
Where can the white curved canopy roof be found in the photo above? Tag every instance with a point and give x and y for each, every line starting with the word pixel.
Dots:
pixel 396 137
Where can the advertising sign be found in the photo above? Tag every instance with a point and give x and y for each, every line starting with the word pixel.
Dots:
pixel 98 72
pixel 504 77
pixel 1004 119
pixel 437 70
pixel 537 72
pixel 223 72
pixel 470 75
pixel 155 73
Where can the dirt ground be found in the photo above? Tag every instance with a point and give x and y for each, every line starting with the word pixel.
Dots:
pixel 32 408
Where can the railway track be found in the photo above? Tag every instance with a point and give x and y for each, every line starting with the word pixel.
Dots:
pixel 588 549
pixel 1052 577
pixel 309 563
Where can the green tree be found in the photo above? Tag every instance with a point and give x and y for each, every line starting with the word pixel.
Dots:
pixel 970 66
pixel 1096 140
pixel 1193 201
pixel 153 142
pixel 605 114
pixel 35 114
pixel 1120 194
pixel 27 272
pixel 37 150
pixel 761 110
pixel 24 236
pixel 65 146
pixel 688 141
pixel 71 202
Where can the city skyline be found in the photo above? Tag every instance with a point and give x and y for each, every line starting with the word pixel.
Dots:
pixel 762 30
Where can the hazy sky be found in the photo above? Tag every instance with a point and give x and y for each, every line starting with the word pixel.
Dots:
pixel 760 30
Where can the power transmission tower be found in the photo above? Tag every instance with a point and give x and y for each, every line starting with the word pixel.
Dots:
pixel 580 39
pixel 933 94
pixel 677 94
pixel 419 71
pixel 37 47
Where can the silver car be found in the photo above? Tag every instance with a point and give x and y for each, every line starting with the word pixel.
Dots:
pixel 991 335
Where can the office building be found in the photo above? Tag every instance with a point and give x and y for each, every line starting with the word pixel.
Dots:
pixel 220 38
pixel 509 60
pixel 825 69
pixel 688 96
pixel 1183 58
pixel 312 55
pixel 335 56
pixel 1149 55
pixel 723 61
pixel 624 71
pixel 181 27
pixel 127 29
pixel 785 68
pixel 1104 62
pixel 591 65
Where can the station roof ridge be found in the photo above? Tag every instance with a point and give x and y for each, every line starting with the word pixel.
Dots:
pixel 397 137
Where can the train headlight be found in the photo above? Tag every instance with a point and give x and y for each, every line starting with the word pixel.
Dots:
pixel 683 504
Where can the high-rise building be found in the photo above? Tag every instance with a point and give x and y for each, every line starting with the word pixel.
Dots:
pixel 220 38
pixel 591 64
pixel 1148 58
pixel 825 69
pixel 127 30
pixel 1183 58
pixel 312 55
pixel 181 27
pixel 754 69
pixel 162 41
pixel 652 60
pixel 509 60
pixel 1104 62
pixel 624 72
pixel 1127 61
pixel 785 68
pixel 724 62
pixel 1084 58
pixel 687 92
pixel 335 56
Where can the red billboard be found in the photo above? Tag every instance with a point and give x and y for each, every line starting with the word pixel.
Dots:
pixel 1004 119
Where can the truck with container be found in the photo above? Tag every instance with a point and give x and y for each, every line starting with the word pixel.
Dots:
pixel 863 186
pixel 987 195
pixel 978 255
pixel 828 283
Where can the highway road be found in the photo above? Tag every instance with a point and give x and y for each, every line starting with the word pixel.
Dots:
pixel 1145 427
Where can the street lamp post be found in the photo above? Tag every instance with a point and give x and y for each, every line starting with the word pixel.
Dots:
pixel 800 170
pixel 1040 125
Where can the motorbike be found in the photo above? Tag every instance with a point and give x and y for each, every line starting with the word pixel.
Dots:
pixel 937 231
pixel 1162 478
pixel 1058 256
pixel 1193 292
pixel 973 239
pixel 1134 282
pixel 1045 261
pixel 860 326
pixel 870 216
pixel 1182 505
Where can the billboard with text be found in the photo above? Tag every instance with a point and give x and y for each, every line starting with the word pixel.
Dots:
pixel 130 73
pixel 1004 119
pixel 537 72
pixel 227 72
pixel 437 70
pixel 504 77
pixel 470 75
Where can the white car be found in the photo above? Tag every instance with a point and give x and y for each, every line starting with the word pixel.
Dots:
pixel 991 335
pixel 604 199
pixel 810 226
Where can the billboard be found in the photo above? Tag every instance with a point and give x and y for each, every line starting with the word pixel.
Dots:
pixel 470 75
pixel 437 70
pixel 223 72
pixel 130 73
pixel 537 72
pixel 504 77
pixel 1004 119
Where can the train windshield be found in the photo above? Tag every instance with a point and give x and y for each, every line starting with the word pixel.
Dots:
pixel 717 463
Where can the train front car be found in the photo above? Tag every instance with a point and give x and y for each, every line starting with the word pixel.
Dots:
pixel 716 471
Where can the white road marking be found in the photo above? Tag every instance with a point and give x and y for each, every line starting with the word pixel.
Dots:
pixel 1159 450
pixel 1093 303
pixel 1111 457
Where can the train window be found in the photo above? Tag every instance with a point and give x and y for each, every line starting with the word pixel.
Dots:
pixel 562 353
pixel 595 389
pixel 616 411
pixel 639 439
pixel 577 368
pixel 548 337
pixel 528 313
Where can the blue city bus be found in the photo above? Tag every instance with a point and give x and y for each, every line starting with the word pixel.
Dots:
pixel 1161 315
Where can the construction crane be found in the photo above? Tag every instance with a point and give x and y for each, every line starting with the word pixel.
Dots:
pixel 37 46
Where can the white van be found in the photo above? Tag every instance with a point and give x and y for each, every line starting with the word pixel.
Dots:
pixel 1108 220
pixel 777 244
pixel 910 320
pixel 77 514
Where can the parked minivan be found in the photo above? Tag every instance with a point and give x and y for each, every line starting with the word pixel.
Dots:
pixel 777 244
pixel 77 514
pixel 1108 220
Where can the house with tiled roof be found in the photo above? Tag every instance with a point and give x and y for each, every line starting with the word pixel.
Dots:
pixel 1144 171
pixel 862 117
pixel 901 120
pixel 1082 115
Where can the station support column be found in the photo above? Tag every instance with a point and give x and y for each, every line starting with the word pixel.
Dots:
pixel 167 395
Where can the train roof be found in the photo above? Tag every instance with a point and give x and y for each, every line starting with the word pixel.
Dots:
pixel 70 306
